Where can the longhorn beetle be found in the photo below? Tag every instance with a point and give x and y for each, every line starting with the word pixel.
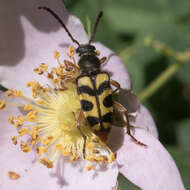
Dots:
pixel 94 88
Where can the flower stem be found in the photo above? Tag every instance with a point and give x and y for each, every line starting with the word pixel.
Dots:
pixel 159 81
pixel 180 59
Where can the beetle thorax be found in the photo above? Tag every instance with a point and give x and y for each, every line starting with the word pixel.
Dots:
pixel 88 62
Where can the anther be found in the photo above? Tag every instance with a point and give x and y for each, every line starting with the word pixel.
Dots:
pixel 45 161
pixel 89 167
pixel 14 139
pixel 13 175
pixel 24 147
pixel 56 55
pixel 71 51
pixel 2 104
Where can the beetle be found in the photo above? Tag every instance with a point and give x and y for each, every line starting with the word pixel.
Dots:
pixel 94 88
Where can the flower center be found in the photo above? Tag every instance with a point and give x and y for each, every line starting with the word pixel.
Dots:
pixel 51 119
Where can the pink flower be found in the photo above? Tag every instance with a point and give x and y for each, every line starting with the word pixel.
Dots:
pixel 28 37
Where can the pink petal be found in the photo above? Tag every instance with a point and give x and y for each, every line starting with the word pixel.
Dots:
pixel 6 130
pixel 66 176
pixel 11 157
pixel 145 121
pixel 36 176
pixel 36 36
pixel 149 168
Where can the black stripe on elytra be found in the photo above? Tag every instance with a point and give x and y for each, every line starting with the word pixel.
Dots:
pixel 92 120
pixel 86 89
pixel 103 87
pixel 93 80
pixel 107 117
pixel 107 102
pixel 86 105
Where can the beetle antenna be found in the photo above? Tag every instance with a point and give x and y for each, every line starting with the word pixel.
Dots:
pixel 61 22
pixel 95 26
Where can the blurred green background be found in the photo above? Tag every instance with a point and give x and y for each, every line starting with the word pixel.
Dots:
pixel 124 27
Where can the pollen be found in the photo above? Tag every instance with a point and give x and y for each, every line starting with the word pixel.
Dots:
pixel 89 167
pixel 14 139
pixel 71 51
pixel 31 115
pixel 28 107
pixel 24 147
pixel 112 158
pixel 14 93
pixel 23 131
pixel 11 119
pixel 43 67
pixel 46 162
pixel 56 55
pixel 49 120
pixel 13 175
pixel 2 104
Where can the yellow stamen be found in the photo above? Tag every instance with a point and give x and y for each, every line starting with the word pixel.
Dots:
pixel 91 158
pixel 31 115
pixel 11 119
pixel 28 107
pixel 38 71
pixel 74 158
pixel 13 175
pixel 89 167
pixel 45 161
pixel 47 141
pixel 10 93
pixel 2 104
pixel 41 102
pixel 103 159
pixel 71 51
pixel 23 131
pixel 43 67
pixel 24 147
pixel 14 139
pixel 17 93
pixel 91 145
pixel 41 150
pixel 50 119
pixel 20 119
pixel 56 54
pixel 112 158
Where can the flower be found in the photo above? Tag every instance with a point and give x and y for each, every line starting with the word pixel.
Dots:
pixel 149 168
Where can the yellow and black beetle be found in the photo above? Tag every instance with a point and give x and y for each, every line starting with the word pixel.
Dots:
pixel 94 88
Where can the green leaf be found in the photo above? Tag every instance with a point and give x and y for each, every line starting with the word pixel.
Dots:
pixel 125 184
pixel 183 73
pixel 143 19
pixel 2 88
pixel 183 134
pixel 179 8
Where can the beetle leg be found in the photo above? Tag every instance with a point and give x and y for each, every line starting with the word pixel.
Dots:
pixel 103 60
pixel 116 84
pixel 123 110
pixel 78 120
